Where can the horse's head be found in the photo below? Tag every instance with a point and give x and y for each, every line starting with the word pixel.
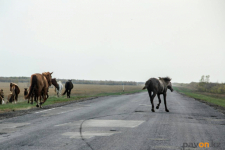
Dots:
pixel 48 76
pixel 169 86
pixel 13 90
pixel 167 80
pixel 54 82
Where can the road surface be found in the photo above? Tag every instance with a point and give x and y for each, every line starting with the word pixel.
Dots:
pixel 117 123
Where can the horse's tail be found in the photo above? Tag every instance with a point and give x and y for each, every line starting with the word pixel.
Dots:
pixel 144 87
pixel 64 92
pixel 33 83
pixel 147 83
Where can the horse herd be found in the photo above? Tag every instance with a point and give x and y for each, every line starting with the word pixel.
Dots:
pixel 40 83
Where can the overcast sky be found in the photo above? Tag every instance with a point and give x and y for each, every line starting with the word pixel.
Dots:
pixel 130 40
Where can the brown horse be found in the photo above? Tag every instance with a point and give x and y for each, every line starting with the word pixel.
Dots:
pixel 39 85
pixel 15 91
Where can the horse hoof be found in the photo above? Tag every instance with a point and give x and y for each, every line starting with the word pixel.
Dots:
pixel 157 107
pixel 153 110
pixel 167 110
pixel 37 105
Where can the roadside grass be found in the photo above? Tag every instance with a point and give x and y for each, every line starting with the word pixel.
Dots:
pixel 194 94
pixel 23 105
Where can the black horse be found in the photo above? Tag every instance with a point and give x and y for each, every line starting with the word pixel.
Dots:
pixel 158 86
pixel 68 88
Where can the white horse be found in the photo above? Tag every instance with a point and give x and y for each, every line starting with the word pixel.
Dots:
pixel 60 88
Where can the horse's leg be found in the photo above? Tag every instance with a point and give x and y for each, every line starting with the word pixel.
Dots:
pixel 32 99
pixel 69 93
pixel 164 96
pixel 157 107
pixel 16 98
pixel 36 97
pixel 45 97
pixel 153 96
pixel 151 99
pixel 41 101
pixel 59 93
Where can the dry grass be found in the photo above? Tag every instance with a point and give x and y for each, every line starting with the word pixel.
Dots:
pixel 78 90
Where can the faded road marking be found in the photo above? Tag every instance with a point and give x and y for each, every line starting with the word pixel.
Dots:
pixel 88 134
pixel 104 123
pixel 58 111
pixel 112 123
pixel 67 111
pixel 76 123
pixel 44 110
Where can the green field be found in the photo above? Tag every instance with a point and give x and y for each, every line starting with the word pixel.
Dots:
pixel 191 93
pixel 53 99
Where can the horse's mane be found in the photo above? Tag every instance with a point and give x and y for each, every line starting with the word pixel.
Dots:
pixel 165 78
pixel 47 76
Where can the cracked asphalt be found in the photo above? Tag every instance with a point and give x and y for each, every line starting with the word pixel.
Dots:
pixel 117 123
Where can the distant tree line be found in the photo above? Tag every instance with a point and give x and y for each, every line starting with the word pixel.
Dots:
pixel 204 85
pixel 75 81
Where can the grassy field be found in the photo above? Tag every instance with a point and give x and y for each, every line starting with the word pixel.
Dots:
pixel 79 91
pixel 208 97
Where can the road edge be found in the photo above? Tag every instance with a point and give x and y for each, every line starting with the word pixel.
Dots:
pixel 217 107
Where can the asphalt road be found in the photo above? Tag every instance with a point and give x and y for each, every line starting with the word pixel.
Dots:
pixel 117 123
